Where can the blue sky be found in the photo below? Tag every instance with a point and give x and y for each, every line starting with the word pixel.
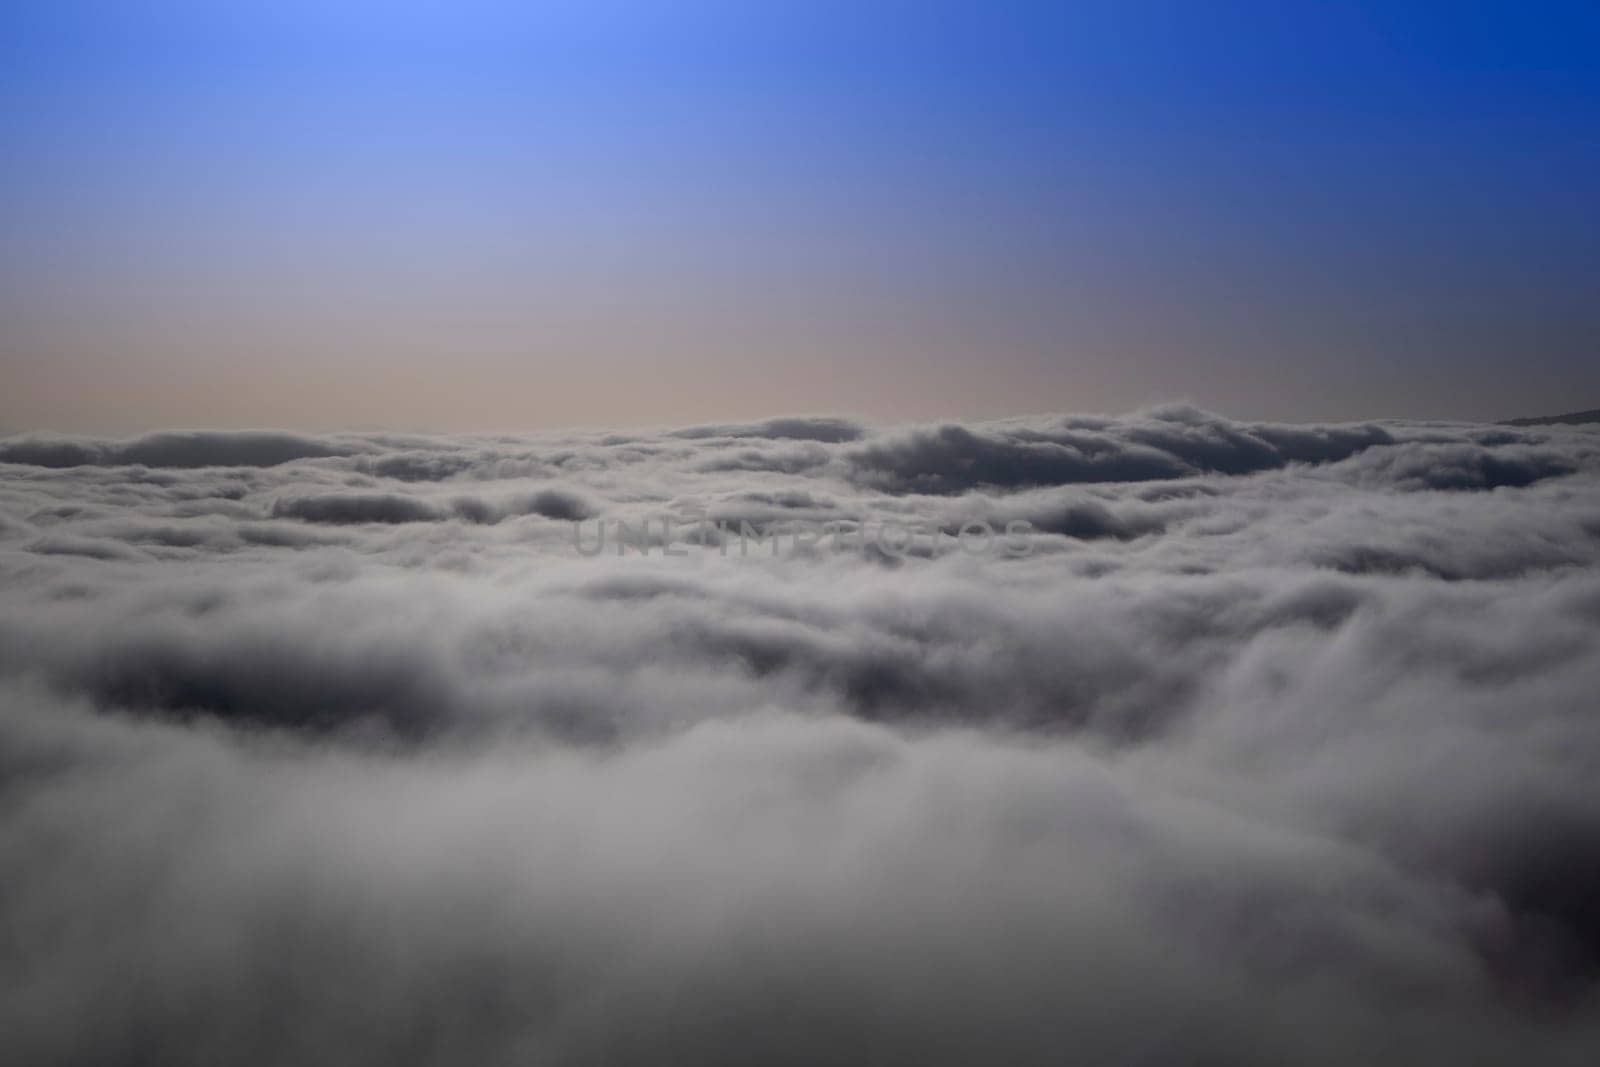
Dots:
pixel 497 215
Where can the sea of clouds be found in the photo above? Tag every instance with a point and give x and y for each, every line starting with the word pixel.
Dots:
pixel 1281 744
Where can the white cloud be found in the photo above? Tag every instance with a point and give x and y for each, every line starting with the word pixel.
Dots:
pixel 1279 749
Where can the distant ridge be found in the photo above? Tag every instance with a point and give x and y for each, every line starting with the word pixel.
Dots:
pixel 1550 420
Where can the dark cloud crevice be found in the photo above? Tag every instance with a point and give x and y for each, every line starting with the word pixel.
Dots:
pixel 1166 443
pixel 177 449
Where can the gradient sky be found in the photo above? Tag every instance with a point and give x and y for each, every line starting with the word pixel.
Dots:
pixel 492 215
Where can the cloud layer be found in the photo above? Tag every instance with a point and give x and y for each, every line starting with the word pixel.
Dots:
pixel 1277 746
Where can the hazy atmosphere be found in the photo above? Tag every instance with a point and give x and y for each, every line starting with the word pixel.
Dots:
pixel 494 215
pixel 800 534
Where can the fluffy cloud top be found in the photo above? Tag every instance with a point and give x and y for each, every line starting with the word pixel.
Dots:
pixel 1278 747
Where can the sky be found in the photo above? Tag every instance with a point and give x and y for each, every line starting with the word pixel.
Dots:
pixel 486 215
